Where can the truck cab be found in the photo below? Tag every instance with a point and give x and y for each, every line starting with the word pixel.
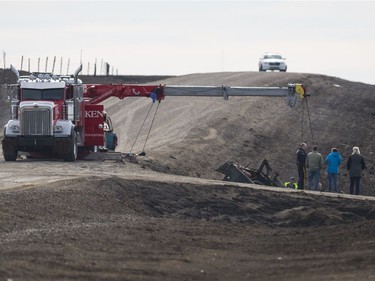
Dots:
pixel 42 118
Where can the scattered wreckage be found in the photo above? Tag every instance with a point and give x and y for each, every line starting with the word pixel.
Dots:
pixel 264 175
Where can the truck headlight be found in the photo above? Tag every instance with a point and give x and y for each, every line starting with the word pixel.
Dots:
pixel 58 129
pixel 15 128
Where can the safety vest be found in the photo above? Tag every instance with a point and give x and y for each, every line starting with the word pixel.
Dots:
pixel 291 185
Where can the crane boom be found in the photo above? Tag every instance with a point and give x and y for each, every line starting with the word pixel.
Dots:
pixel 98 93
pixel 212 91
pixel 226 91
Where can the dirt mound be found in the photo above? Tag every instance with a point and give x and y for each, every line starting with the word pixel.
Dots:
pixel 104 228
pixel 170 219
pixel 194 136
pixel 95 197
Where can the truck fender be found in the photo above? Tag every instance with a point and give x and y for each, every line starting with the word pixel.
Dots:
pixel 63 128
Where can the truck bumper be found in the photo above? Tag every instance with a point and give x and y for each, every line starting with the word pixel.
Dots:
pixel 46 145
pixel 35 143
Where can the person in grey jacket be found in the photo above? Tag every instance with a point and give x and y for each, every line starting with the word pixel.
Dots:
pixel 356 164
pixel 314 163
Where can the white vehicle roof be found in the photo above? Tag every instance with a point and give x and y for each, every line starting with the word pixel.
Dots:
pixel 272 55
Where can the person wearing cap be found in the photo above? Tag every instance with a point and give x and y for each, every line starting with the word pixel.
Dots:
pixel 333 162
pixel 314 163
pixel 291 183
pixel 355 165
pixel 301 165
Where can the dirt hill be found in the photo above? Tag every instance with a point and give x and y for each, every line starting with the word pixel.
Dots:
pixel 170 219
pixel 193 136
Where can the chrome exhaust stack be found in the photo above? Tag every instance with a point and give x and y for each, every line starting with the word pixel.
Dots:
pixel 15 71
pixel 79 69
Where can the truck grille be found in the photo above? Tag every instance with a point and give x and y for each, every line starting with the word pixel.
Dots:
pixel 36 122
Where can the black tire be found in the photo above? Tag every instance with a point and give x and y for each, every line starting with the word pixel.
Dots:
pixel 10 152
pixel 10 155
pixel 72 151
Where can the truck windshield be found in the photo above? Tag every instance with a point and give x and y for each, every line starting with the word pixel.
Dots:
pixel 43 94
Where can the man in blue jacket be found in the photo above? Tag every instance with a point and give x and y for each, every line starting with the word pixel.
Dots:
pixel 333 162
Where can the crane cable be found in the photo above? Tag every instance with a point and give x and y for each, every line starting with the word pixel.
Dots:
pixel 143 153
pixel 309 118
pixel 302 117
pixel 149 130
pixel 136 138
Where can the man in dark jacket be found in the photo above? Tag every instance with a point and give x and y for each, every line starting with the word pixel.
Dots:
pixel 301 165
pixel 356 164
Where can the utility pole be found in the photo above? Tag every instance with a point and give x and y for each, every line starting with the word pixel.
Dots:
pixel 4 59
pixel 67 68
pixel 53 65
pixel 61 65
pixel 45 69
pixel 95 67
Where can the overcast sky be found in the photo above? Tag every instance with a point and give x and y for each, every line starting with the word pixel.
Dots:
pixel 335 38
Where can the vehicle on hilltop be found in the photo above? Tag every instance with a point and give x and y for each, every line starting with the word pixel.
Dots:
pixel 272 61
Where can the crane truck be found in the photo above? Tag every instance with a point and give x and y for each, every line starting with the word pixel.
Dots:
pixel 58 115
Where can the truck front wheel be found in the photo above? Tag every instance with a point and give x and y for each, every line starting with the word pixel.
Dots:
pixel 9 149
pixel 72 150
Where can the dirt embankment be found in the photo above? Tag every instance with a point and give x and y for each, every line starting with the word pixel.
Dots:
pixel 169 218
pixel 194 136
pixel 129 223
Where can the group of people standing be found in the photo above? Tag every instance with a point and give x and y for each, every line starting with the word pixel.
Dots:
pixel 310 165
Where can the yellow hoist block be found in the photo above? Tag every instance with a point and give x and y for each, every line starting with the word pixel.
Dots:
pixel 300 90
